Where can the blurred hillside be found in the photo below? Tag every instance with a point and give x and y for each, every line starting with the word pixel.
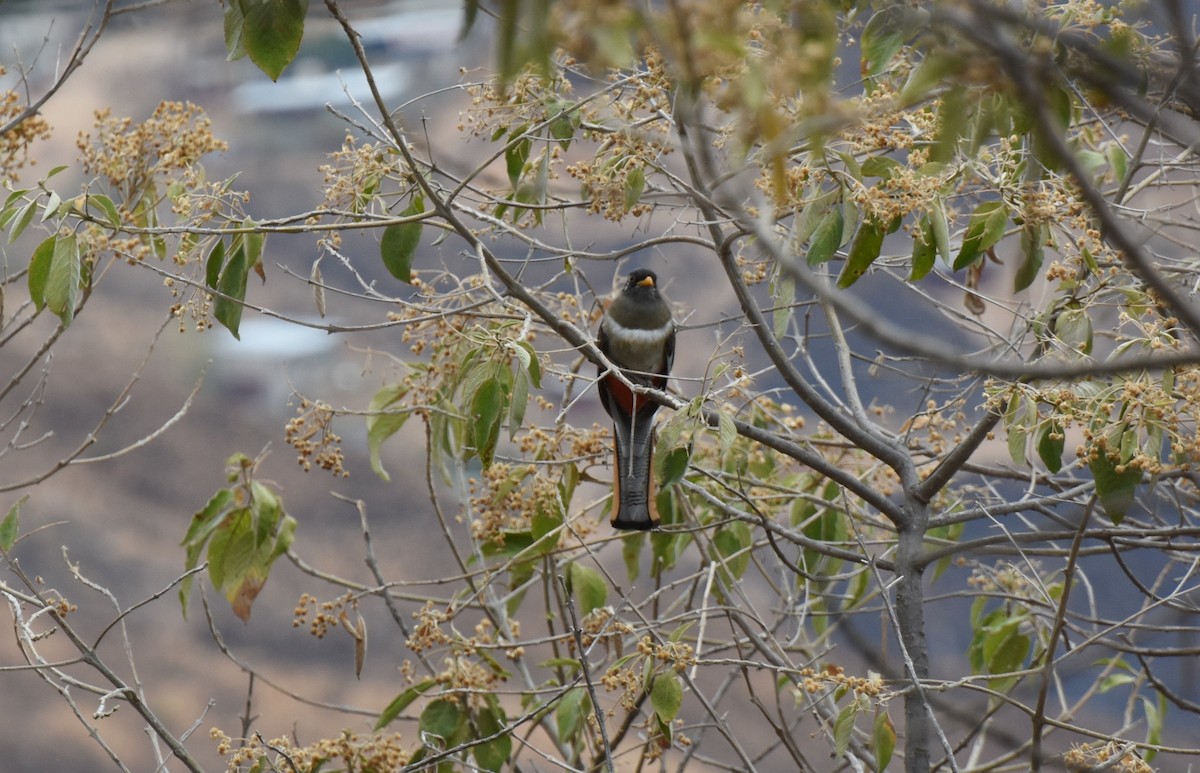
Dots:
pixel 120 521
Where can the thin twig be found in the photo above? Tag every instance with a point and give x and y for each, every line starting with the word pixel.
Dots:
pixel 577 632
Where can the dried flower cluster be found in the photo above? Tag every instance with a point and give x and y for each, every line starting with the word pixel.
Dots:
pixel 134 157
pixel 311 434
pixel 834 677
pixel 14 144
pixel 1105 755
pixel 320 616
pixel 355 177
pixel 351 752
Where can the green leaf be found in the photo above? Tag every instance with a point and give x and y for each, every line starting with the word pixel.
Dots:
pixel 493 755
pixel 403 701
pixel 984 230
pixel 884 737
pixel 518 401
pixel 1050 445
pixel 924 251
pixel 863 251
pixel 10 527
pixel 1009 656
pixel 400 242
pixel 635 184
pixel 254 241
pixel 62 283
pixel 39 271
pixel 826 526
pixel 21 219
pixel 843 727
pixel 442 718
pixel 515 156
pixel 880 166
pixel 783 296
pixel 563 124
pixel 244 549
pixel 1155 715
pixel 1073 328
pixel 665 547
pixel 7 209
pixel 568 716
pixel 1115 490
pixel 111 217
pixel 726 432
pixel 530 360
pixel 588 586
pixel 1112 681
pixel 234 21
pixel 546 520
pixel 214 263
pixel 671 464
pixel 245 532
pixel 631 553
pixel 227 308
pixel 927 75
pixel 381 424
pixel 941 230
pixel 826 238
pixel 487 407
pixel 1118 159
pixel 666 695
pixel 268 30
pixel 51 207
pixel 882 38
pixel 731 543
pixel 1033 250
pixel 1018 421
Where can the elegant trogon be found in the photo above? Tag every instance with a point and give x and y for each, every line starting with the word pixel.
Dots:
pixel 637 334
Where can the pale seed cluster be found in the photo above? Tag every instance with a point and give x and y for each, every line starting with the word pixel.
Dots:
pixel 428 633
pixel 603 624
pixel 131 156
pixel 832 676
pixel 311 434
pixel 14 144
pixel 355 175
pixel 1004 579
pixel 349 752
pixel 320 616
pixel 1105 755
pixel 630 679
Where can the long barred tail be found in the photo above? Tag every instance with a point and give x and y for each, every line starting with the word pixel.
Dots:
pixel 633 480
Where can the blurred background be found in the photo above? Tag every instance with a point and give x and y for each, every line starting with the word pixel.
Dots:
pixel 120 521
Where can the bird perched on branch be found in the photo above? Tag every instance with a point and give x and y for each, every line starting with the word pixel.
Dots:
pixel 637 335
